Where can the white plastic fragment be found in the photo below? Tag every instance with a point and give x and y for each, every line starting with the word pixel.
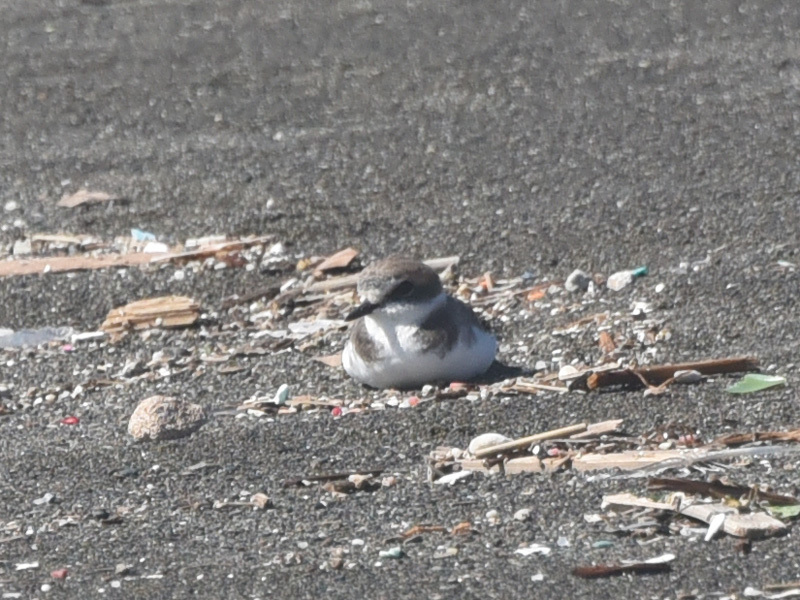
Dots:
pixel 533 548
pixel 714 525
pixel 451 478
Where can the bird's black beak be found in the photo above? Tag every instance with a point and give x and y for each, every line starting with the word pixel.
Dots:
pixel 361 310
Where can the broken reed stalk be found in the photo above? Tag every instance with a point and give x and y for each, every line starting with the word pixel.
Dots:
pixel 659 374
pixel 527 441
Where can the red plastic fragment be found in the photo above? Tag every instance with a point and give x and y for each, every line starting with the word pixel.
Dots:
pixel 70 420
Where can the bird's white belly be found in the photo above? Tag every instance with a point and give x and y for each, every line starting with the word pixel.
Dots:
pixel 406 364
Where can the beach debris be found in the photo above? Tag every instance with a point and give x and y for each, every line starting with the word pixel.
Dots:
pixel 452 478
pixel 664 374
pixel 755 382
pixel 333 361
pixel 533 548
pixel 720 490
pixel 739 439
pixel 486 440
pixel 659 564
pixel 95 255
pixel 83 196
pixel 33 337
pixel 362 477
pixel 393 552
pixel 723 516
pixel 165 311
pixel 527 441
pixel 606 342
pixel 785 512
pixel 577 281
pixel 622 279
pixel 339 260
pixel 601 446
pixel 160 418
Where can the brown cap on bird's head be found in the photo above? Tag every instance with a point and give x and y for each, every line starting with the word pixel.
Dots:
pixel 395 279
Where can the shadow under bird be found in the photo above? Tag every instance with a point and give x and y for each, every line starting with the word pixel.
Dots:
pixel 409 332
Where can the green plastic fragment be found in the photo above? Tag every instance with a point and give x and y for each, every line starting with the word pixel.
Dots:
pixel 755 382
pixel 785 512
pixel 639 271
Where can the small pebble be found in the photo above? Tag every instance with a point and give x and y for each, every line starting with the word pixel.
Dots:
pixel 493 517
pixel 578 281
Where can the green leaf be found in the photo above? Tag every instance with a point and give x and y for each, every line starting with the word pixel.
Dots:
pixel 755 382
pixel 785 512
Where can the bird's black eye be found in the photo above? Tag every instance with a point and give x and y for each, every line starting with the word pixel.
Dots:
pixel 403 289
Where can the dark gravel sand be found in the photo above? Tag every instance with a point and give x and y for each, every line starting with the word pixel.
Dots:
pixel 533 137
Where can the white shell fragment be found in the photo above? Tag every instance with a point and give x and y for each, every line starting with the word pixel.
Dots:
pixel 451 478
pixel 486 440
pixel 688 376
pixel 165 418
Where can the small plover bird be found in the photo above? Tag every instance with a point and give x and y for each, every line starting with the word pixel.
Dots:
pixel 409 332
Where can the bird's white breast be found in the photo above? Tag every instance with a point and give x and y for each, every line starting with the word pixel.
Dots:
pixel 405 362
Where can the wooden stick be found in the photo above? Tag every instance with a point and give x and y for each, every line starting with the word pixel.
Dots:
pixel 78 262
pixel 527 441
pixel 659 374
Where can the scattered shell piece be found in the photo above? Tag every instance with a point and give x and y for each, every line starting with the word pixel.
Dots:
pixel 451 478
pixel 533 548
pixel 523 514
pixel 493 517
pixel 445 552
pixel 486 440
pixel 282 395
pixel 165 418
pixel 688 376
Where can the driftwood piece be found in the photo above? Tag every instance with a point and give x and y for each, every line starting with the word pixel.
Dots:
pixel 165 311
pixel 657 375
